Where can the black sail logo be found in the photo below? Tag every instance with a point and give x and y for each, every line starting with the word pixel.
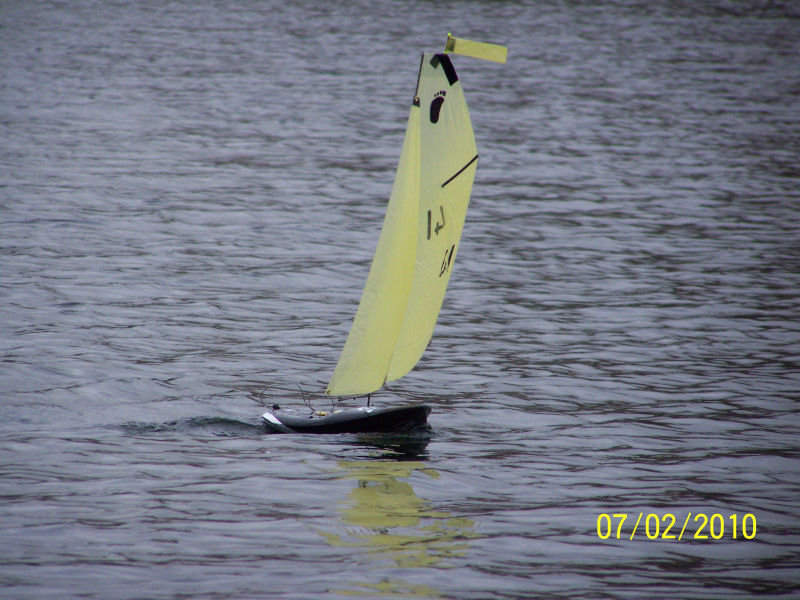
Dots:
pixel 436 105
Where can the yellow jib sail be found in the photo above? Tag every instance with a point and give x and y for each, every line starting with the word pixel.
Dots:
pixel 419 239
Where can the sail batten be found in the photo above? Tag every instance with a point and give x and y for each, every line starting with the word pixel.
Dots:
pixel 419 239
pixel 461 170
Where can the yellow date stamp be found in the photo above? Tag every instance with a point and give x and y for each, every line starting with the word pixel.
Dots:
pixel 667 527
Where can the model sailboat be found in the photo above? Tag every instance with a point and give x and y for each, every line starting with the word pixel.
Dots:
pixel 414 257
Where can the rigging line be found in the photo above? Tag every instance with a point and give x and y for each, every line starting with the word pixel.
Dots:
pixel 419 74
pixel 307 402
pixel 261 395
pixel 461 170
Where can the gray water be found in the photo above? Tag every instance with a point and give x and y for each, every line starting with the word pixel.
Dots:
pixel 190 193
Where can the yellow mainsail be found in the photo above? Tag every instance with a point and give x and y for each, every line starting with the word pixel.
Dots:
pixel 419 239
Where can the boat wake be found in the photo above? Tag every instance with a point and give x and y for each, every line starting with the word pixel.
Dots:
pixel 216 426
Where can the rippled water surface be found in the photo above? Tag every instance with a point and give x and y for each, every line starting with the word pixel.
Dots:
pixel 190 193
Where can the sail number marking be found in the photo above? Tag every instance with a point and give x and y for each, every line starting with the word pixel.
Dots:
pixel 448 253
pixel 439 226
pixel 448 257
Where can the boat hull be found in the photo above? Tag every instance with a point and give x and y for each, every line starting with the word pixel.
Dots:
pixel 366 419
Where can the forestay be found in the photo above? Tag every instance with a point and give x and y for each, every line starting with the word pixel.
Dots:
pixel 419 239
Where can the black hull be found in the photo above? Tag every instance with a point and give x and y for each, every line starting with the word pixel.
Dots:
pixel 403 419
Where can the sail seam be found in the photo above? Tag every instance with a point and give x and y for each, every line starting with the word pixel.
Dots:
pixel 461 170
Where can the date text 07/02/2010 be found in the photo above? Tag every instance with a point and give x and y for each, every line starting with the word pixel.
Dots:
pixel 700 526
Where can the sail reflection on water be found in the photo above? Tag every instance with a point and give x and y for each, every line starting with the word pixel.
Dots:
pixel 384 516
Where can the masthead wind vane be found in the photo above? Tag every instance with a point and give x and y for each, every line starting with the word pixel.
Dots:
pixel 482 50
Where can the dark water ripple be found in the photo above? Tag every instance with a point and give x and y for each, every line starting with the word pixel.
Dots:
pixel 189 197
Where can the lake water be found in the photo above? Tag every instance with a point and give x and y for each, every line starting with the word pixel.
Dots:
pixel 190 194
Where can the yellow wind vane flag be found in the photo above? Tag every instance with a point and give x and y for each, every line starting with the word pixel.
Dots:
pixel 419 239
pixel 482 50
